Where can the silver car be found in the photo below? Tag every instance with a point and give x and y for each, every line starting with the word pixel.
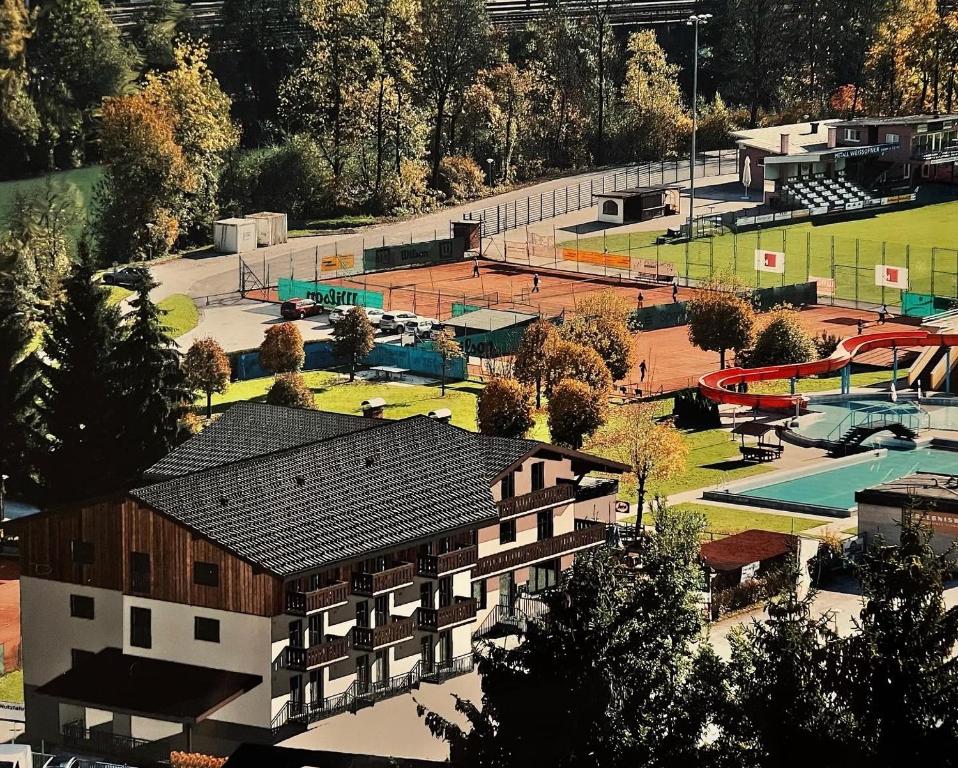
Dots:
pixel 395 321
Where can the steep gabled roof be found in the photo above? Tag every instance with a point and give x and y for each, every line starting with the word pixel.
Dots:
pixel 253 429
pixel 311 506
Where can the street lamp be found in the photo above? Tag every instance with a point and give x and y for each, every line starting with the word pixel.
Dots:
pixel 694 21
pixel 489 162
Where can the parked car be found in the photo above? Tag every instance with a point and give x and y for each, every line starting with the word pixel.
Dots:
pixel 421 326
pixel 374 315
pixel 128 277
pixel 395 321
pixel 339 312
pixel 297 309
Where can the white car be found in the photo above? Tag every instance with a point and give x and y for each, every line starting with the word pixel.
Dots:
pixel 395 321
pixel 421 326
pixel 374 315
pixel 338 313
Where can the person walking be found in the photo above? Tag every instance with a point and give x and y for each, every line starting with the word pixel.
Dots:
pixel 475 266
pixel 640 301
pixel 535 282
pixel 642 370
pixel 675 291
pixel 861 326
pixel 882 312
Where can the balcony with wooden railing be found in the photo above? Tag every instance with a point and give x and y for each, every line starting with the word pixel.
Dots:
pixel 302 603
pixel 587 534
pixel 369 584
pixel 552 496
pixel 435 619
pixel 434 566
pixel 331 649
pixel 371 638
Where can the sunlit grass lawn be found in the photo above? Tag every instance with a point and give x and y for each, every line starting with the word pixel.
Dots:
pixel 812 384
pixel 809 251
pixel 181 314
pixel 11 686
pixel 344 397
pixel 118 293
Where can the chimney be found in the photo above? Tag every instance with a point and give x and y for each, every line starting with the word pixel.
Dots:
pixel 832 137
pixel 784 144
pixel 814 127
pixel 373 409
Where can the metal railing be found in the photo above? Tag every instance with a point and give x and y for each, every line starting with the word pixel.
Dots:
pixel 915 421
pixel 76 734
pixel 547 205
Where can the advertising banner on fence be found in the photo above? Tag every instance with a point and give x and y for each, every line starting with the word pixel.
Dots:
pixel 328 295
pixel 615 260
pixel 891 277
pixel 407 254
pixel 826 285
pixel 769 261
pixel 338 263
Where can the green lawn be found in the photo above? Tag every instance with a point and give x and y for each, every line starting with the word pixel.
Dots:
pixel 731 520
pixel 824 384
pixel 11 686
pixel 118 293
pixel 713 459
pixel 325 225
pixel 343 397
pixel 914 238
pixel 852 531
pixel 78 183
pixel 182 315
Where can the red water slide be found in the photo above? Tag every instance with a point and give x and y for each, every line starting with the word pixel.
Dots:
pixel 716 386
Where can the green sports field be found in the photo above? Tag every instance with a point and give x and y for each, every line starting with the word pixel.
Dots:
pixel 925 240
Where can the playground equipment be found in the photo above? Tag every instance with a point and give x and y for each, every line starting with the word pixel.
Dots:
pixel 933 367
pixel 720 386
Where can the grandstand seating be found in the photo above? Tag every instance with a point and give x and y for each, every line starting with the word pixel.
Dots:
pixel 825 192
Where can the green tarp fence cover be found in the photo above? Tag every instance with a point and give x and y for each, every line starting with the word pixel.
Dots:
pixel 328 295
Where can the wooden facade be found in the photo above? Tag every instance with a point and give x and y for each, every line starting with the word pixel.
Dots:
pixel 119 527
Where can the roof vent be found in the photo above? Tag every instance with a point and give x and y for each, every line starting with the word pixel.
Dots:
pixel 370 460
pixel 441 414
pixel 224 501
pixel 300 481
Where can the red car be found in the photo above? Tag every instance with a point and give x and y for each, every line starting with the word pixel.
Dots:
pixel 297 309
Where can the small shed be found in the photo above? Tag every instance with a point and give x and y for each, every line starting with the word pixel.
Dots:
pixel 746 555
pixel 234 235
pixel 638 203
pixel 270 227
pixel 489 332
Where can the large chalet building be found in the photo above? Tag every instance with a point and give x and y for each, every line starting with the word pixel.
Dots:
pixel 288 565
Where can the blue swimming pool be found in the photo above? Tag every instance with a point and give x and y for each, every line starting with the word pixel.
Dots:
pixel 835 488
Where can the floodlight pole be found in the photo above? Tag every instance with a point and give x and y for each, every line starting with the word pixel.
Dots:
pixel 694 21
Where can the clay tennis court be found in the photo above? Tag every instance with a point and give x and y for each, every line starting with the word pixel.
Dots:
pixel 432 291
pixel 10 613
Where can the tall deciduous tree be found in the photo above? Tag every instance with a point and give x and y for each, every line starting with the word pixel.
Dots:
pixel 207 369
pixel 576 411
pixel 720 319
pixel 610 663
pixel 604 329
pixel 282 349
pixel 353 336
pixel 77 59
pixel 80 394
pixel 653 99
pixel 19 120
pixel 531 356
pixel 568 360
pixel 503 408
pixel 452 45
pixel 19 372
pixel 155 394
pixel 652 447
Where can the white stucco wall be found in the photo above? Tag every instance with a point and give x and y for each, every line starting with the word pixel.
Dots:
pixel 48 632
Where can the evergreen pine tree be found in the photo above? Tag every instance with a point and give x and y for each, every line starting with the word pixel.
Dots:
pixel 19 373
pixel 79 396
pixel 154 390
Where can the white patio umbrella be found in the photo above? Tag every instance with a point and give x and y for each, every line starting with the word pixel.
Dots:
pixel 747 175
pixel 894 393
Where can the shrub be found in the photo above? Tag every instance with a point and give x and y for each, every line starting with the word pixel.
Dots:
pixel 195 760
pixel 693 411
pixel 826 343
pixel 291 390
pixel 782 340
pixel 408 191
pixel 460 178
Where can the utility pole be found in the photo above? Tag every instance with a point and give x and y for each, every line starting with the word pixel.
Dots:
pixel 694 21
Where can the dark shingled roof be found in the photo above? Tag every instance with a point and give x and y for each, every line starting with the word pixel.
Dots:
pixel 252 429
pixel 156 688
pixel 314 505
